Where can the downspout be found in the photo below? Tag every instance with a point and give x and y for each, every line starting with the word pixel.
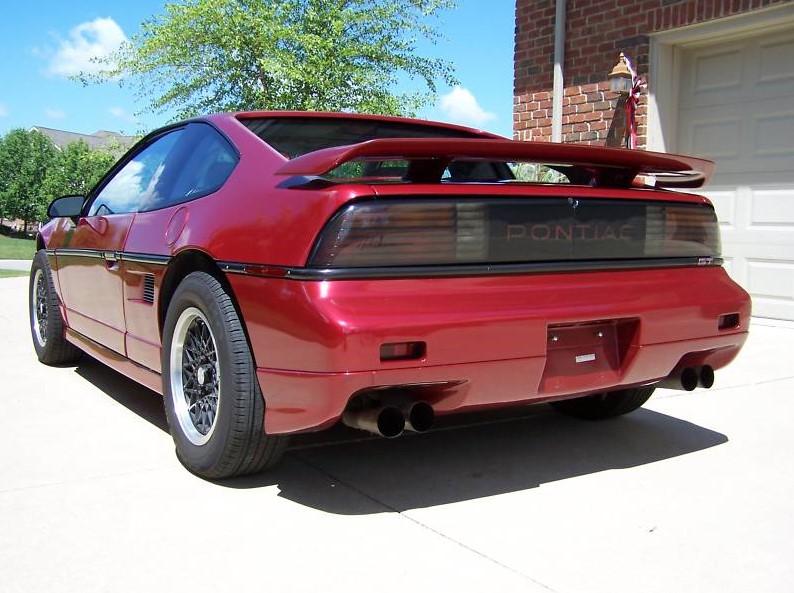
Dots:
pixel 559 59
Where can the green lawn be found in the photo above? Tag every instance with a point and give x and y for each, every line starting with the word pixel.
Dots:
pixel 12 273
pixel 16 248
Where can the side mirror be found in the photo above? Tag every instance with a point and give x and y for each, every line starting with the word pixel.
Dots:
pixel 66 206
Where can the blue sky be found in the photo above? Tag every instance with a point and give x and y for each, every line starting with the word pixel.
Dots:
pixel 42 45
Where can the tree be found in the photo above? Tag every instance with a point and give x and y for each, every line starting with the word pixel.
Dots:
pixel 230 55
pixel 25 158
pixel 76 170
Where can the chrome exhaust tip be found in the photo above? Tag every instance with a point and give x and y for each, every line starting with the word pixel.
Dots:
pixel 387 421
pixel 419 416
pixel 706 377
pixel 686 379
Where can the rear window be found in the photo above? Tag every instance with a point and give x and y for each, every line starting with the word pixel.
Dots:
pixel 296 136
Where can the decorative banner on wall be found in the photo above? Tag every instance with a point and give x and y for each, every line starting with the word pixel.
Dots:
pixel 617 134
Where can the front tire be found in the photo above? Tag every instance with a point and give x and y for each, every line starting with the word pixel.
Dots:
pixel 213 403
pixel 47 327
pixel 604 405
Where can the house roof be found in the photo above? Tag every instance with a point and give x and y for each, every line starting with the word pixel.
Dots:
pixel 100 139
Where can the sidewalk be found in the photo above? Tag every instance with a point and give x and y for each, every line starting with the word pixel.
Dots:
pixel 15 264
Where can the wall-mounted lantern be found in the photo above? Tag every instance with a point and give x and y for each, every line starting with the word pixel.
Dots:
pixel 621 79
pixel 624 80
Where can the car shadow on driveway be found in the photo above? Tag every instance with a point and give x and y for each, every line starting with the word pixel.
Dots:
pixel 135 397
pixel 477 460
pixel 468 456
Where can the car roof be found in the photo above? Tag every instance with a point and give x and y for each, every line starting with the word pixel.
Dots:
pixel 358 116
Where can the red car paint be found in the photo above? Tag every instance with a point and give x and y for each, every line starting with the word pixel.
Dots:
pixel 491 339
pixel 323 161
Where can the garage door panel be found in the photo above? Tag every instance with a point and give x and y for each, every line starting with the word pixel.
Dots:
pixel 771 284
pixel 776 60
pixel 772 308
pixel 757 227
pixel 753 178
pixel 742 138
pixel 735 243
pixel 767 273
pixel 773 133
pixel 772 208
pixel 737 72
pixel 715 137
pixel 714 71
pixel 771 278
pixel 737 108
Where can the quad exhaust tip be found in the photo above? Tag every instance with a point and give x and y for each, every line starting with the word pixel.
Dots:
pixel 391 421
pixel 689 378
pixel 706 377
pixel 419 417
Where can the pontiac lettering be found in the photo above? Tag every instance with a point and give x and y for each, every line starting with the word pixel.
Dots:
pixel 569 231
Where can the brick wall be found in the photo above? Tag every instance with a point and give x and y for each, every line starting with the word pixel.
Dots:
pixel 596 32
pixel 587 112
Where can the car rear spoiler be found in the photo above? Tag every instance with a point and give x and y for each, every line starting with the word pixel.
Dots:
pixel 429 157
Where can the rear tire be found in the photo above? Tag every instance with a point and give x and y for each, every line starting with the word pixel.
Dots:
pixel 213 403
pixel 604 405
pixel 47 327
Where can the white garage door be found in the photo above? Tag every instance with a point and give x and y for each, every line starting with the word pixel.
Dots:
pixel 737 108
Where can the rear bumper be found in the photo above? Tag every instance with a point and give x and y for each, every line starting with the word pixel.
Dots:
pixel 488 340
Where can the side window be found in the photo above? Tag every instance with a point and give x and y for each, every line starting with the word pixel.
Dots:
pixel 199 165
pixel 139 182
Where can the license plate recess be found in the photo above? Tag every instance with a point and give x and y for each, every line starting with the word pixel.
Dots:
pixel 587 356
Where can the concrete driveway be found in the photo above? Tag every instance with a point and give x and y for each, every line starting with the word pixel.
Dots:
pixel 692 493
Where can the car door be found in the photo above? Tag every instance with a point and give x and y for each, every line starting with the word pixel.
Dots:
pixel 89 264
pixel 197 166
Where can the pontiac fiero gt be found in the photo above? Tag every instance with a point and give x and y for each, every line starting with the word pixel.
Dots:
pixel 272 272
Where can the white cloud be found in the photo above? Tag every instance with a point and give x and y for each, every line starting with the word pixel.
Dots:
pixel 120 113
pixel 460 106
pixel 86 42
pixel 54 113
pixel 3 110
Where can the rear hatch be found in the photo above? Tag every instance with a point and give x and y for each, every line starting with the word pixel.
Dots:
pixel 461 206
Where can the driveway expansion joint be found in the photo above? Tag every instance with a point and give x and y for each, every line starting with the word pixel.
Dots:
pixel 420 523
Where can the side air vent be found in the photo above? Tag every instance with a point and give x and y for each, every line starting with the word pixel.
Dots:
pixel 148 288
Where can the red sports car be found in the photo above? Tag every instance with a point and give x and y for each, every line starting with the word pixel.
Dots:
pixel 273 273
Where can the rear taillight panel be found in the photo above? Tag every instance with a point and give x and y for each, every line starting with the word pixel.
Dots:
pixel 404 233
pixel 427 232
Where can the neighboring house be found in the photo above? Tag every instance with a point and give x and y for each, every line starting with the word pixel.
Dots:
pixel 111 141
pixel 720 84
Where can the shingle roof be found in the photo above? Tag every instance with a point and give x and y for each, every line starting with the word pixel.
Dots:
pixel 99 139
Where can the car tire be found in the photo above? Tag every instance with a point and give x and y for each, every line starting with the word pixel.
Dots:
pixel 604 405
pixel 213 402
pixel 47 327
